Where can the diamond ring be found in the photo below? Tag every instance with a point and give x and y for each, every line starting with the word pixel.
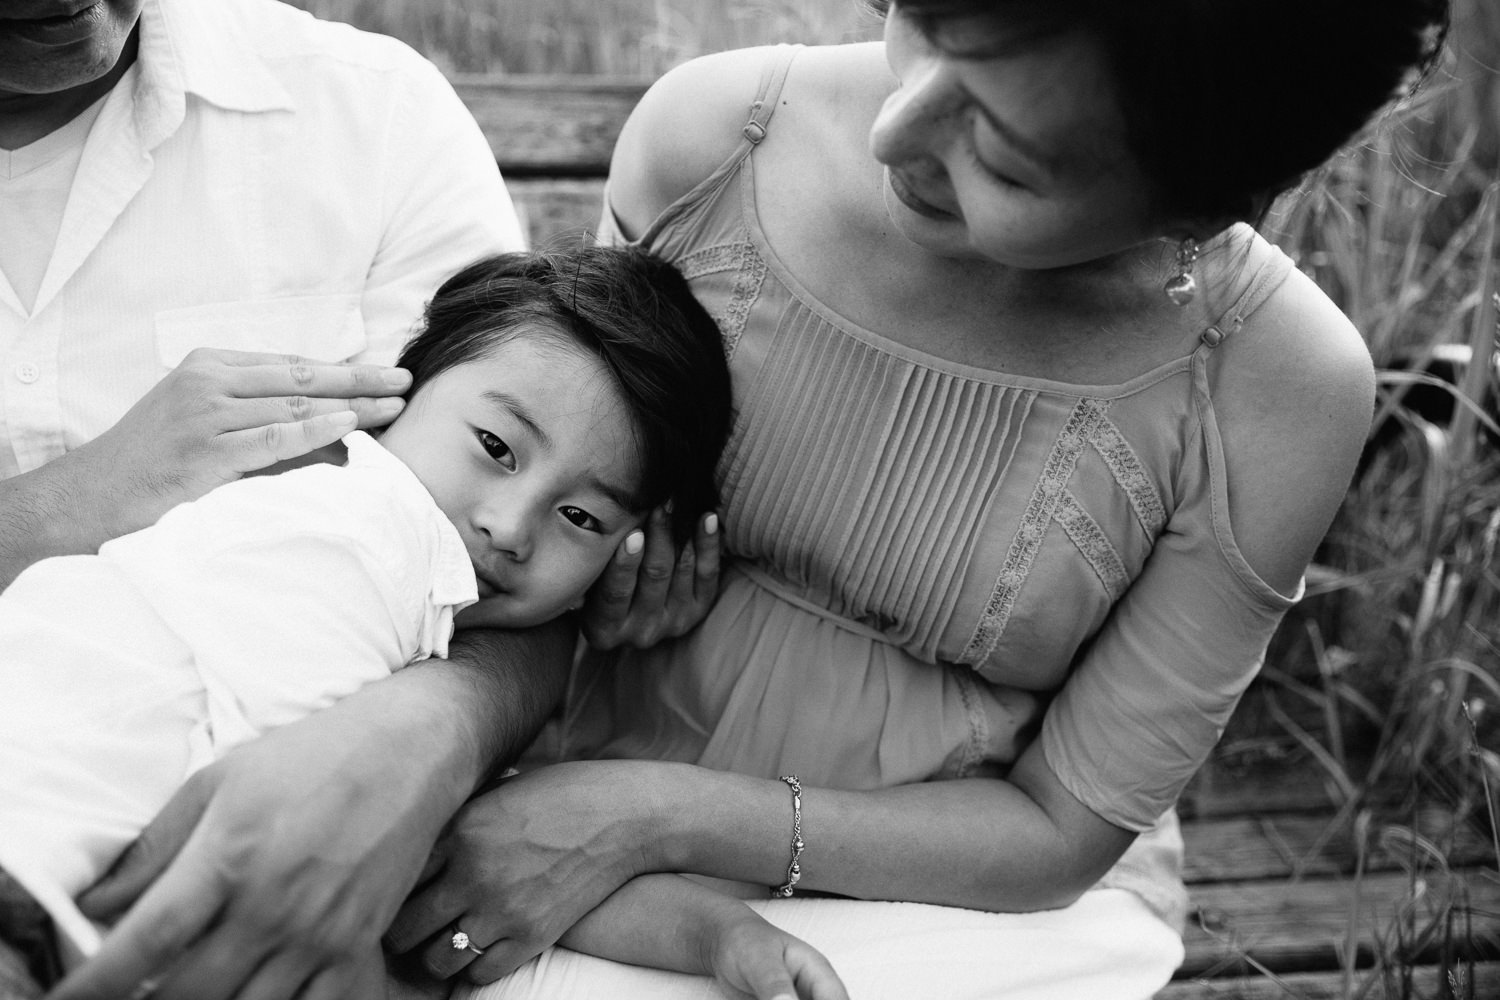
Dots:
pixel 461 942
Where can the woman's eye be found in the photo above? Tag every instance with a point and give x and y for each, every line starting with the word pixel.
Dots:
pixel 986 147
pixel 498 450
pixel 580 518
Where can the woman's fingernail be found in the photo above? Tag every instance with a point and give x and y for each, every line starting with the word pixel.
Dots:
pixel 634 542
pixel 390 405
pixel 396 378
pixel 667 507
pixel 711 524
pixel 343 419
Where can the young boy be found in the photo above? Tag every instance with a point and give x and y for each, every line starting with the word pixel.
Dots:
pixel 556 398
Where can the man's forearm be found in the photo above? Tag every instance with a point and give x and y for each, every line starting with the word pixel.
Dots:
pixel 42 513
pixel 512 682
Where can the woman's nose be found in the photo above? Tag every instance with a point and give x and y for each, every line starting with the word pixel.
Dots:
pixel 918 119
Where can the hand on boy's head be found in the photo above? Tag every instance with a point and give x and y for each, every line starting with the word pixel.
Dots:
pixel 221 414
pixel 650 591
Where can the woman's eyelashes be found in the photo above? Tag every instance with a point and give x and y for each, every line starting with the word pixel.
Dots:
pixel 578 517
pixel 498 450
pixel 984 159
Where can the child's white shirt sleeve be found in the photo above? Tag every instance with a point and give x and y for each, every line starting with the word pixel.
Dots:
pixel 295 590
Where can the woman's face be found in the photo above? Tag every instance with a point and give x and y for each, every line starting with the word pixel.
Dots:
pixel 1016 154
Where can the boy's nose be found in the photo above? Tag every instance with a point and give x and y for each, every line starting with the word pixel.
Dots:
pixel 507 529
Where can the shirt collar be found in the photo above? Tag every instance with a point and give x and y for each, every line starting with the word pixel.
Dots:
pixel 203 48
pixel 453 579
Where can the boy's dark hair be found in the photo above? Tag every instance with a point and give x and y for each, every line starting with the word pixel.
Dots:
pixel 635 313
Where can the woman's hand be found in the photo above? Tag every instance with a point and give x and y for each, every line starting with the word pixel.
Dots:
pixel 753 957
pixel 648 593
pixel 521 864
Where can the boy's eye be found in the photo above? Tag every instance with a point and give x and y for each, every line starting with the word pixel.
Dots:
pixel 580 518
pixel 498 450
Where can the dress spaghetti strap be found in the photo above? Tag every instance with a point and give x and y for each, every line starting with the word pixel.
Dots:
pixel 767 93
pixel 1269 274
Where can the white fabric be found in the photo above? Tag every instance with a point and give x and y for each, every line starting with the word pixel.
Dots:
pixel 265 181
pixel 265 600
pixel 34 184
pixel 1106 946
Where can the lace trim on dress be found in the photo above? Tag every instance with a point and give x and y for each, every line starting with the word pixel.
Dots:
pixel 1131 476
pixel 1079 429
pixel 973 752
pixel 750 276
pixel 1094 545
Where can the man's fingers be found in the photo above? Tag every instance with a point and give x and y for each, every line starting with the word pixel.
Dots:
pixel 258 447
pixel 371 411
pixel 286 375
pixel 149 856
pixel 170 917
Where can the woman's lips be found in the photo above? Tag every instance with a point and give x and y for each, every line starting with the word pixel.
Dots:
pixel 909 197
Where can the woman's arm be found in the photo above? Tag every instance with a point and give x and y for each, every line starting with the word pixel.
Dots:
pixel 1163 676
pixel 284 862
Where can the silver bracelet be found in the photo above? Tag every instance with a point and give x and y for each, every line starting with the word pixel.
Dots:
pixel 794 868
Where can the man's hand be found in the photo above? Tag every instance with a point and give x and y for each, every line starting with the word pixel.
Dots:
pixel 280 865
pixel 216 417
pixel 221 414
pixel 649 593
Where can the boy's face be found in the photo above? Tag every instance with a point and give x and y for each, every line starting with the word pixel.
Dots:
pixel 530 453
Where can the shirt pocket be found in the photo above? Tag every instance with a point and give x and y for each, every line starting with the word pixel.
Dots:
pixel 320 327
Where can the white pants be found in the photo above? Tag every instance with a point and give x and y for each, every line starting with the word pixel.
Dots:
pixel 1106 946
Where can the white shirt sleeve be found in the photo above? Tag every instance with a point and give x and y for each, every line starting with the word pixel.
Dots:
pixel 292 592
pixel 445 205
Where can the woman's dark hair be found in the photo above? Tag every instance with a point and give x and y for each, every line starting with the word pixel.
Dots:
pixel 1228 103
pixel 631 310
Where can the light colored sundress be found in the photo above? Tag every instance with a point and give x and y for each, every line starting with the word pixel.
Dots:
pixel 928 556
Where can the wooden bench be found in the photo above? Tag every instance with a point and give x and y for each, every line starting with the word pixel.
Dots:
pixel 1275 886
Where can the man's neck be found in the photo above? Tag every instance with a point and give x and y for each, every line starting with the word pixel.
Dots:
pixel 25 118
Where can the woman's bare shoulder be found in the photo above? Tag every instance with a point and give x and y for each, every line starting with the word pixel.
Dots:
pixel 690 121
pixel 1294 396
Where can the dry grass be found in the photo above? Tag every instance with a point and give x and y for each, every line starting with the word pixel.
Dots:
pixel 611 37
pixel 1387 678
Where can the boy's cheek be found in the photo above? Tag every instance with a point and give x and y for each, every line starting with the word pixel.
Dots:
pixel 489 612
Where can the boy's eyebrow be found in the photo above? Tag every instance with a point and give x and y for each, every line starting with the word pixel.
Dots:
pixel 515 408
pixel 622 499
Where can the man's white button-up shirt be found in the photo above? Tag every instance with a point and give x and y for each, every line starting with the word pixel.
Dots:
pixel 259 180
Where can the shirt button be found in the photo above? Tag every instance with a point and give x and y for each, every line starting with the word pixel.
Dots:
pixel 27 372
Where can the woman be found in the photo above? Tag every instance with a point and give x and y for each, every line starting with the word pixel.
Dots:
pixel 1023 406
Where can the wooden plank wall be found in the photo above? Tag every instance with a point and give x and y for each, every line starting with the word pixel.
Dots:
pixel 1280 896
pixel 552 136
